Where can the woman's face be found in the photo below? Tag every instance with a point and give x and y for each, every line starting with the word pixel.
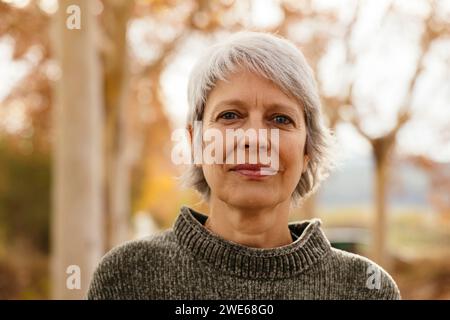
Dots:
pixel 248 101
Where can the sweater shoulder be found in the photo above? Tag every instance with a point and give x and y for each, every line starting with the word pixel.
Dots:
pixel 153 244
pixel 119 265
pixel 132 251
pixel 368 279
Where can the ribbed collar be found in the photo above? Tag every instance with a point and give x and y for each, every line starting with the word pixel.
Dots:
pixel 243 261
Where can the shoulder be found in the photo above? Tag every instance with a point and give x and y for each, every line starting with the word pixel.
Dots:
pixel 133 250
pixel 365 278
pixel 124 263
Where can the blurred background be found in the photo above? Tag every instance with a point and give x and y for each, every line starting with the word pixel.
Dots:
pixel 86 117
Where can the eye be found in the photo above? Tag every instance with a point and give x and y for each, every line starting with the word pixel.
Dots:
pixel 280 119
pixel 229 115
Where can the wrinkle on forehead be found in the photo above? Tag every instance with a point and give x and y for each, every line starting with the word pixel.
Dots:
pixel 258 90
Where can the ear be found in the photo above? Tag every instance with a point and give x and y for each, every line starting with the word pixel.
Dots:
pixel 305 162
pixel 190 131
pixel 305 154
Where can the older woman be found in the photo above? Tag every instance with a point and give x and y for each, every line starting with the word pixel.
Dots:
pixel 245 248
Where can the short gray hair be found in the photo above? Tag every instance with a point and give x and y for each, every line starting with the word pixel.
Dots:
pixel 280 61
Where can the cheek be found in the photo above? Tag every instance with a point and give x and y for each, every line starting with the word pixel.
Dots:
pixel 213 174
pixel 209 171
pixel 292 154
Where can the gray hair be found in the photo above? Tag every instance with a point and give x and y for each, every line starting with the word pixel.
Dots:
pixel 280 61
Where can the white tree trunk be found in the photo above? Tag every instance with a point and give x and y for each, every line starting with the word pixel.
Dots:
pixel 117 160
pixel 77 228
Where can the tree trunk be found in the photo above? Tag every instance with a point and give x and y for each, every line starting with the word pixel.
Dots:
pixel 117 177
pixel 381 147
pixel 77 237
pixel 380 225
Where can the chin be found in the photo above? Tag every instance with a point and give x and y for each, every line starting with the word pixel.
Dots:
pixel 251 199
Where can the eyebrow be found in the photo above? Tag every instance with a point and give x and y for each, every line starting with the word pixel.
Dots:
pixel 234 102
pixel 240 103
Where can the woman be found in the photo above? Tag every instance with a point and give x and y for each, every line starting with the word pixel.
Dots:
pixel 245 248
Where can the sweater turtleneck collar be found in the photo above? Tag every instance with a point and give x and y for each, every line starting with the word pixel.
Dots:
pixel 243 261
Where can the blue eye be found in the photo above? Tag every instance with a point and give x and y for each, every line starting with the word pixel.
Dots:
pixel 228 115
pixel 282 120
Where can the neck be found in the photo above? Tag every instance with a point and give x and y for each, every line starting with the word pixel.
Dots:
pixel 258 227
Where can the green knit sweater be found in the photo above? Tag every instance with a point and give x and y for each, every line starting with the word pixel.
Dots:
pixel 190 262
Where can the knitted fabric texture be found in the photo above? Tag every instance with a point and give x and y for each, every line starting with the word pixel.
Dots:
pixel 188 261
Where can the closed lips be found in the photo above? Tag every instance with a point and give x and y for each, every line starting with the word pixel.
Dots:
pixel 254 169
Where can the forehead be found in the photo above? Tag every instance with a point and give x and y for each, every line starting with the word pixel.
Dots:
pixel 248 88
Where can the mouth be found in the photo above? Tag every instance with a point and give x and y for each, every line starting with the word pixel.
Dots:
pixel 256 171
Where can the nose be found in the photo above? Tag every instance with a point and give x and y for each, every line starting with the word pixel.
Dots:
pixel 258 133
pixel 259 140
pixel 256 142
